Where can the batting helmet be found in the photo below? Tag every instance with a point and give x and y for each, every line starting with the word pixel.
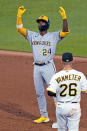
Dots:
pixel 44 19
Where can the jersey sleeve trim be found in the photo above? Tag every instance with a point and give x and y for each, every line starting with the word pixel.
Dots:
pixel 51 94
pixel 63 34
pixel 51 91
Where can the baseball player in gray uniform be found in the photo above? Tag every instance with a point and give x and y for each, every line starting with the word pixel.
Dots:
pixel 43 46
pixel 67 86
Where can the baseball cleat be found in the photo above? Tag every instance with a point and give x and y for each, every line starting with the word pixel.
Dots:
pixel 42 120
pixel 54 125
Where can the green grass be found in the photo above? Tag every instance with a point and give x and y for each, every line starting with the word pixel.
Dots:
pixel 75 42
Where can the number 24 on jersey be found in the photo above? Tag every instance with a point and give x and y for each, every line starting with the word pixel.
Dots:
pixel 46 52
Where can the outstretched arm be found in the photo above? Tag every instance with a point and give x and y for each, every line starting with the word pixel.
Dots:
pixel 19 24
pixel 65 30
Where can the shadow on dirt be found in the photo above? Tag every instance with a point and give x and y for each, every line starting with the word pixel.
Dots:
pixel 15 109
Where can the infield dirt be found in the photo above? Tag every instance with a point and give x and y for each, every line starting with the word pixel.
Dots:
pixel 18 102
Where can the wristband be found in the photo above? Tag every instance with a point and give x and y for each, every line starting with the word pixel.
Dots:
pixel 19 26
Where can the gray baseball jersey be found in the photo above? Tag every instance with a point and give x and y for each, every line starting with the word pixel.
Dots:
pixel 43 47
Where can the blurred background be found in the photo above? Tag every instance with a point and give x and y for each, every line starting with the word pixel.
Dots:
pixel 75 42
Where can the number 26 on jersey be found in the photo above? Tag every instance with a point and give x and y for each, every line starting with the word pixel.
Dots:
pixel 68 89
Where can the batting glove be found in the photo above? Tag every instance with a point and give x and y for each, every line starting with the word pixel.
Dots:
pixel 21 11
pixel 62 12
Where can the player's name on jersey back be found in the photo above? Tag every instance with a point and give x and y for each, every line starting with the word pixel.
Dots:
pixel 68 77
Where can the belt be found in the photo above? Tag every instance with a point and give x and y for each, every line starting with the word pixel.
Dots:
pixel 40 64
pixel 68 101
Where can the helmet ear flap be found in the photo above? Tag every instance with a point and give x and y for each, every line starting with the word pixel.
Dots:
pixel 48 23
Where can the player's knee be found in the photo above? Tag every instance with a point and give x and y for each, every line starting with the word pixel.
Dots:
pixel 39 95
